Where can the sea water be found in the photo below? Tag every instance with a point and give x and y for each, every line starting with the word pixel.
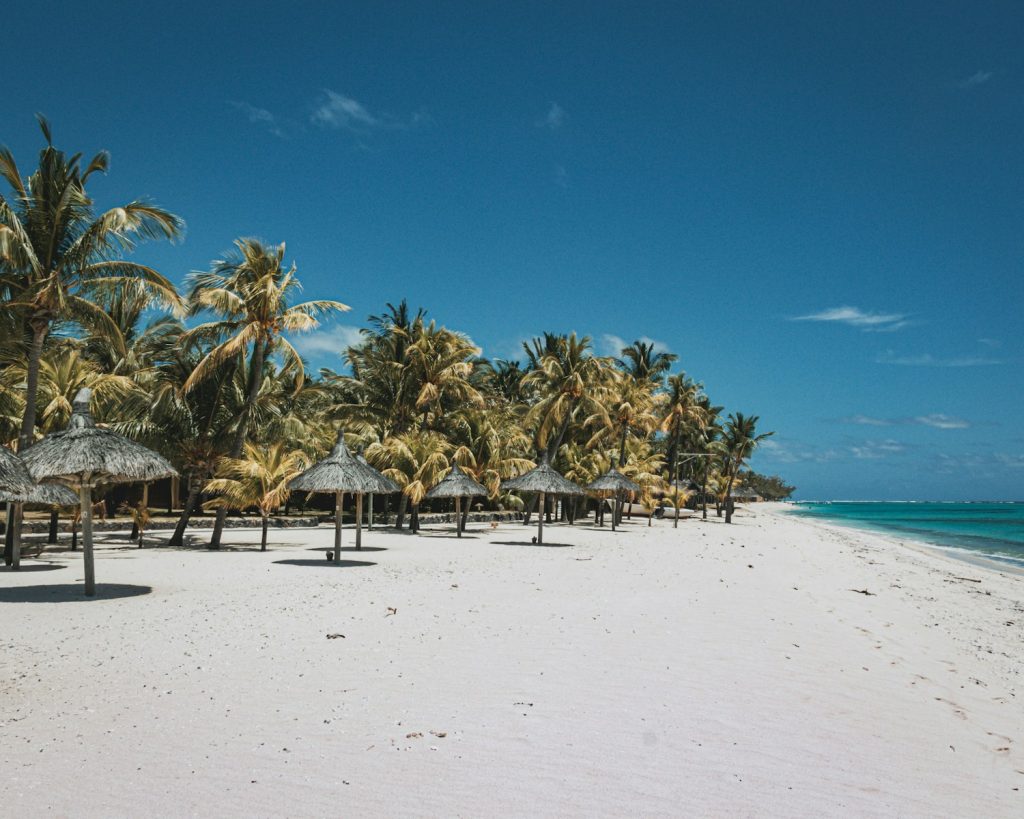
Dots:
pixel 993 530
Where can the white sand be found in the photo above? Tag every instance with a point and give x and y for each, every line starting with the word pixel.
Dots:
pixel 709 670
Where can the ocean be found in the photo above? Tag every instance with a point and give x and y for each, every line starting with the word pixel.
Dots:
pixel 992 530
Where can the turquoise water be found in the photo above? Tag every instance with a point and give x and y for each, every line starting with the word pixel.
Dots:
pixel 994 530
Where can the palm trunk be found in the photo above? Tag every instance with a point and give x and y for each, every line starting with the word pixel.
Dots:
pixel 178 538
pixel 16 538
pixel 465 516
pixel 704 492
pixel 339 503
pixel 263 537
pixel 622 447
pixel 540 520
pixel 259 351
pixel 403 502
pixel 359 521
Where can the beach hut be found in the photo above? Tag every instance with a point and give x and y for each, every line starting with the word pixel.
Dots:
pixel 15 486
pixel 614 483
pixel 457 484
pixel 544 480
pixel 84 456
pixel 49 494
pixel 342 472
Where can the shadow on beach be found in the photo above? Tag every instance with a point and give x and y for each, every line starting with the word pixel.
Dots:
pixel 323 549
pixel 329 564
pixel 33 567
pixel 70 593
pixel 528 543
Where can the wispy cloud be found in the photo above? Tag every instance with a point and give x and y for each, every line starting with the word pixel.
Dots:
pixel 561 176
pixel 994 343
pixel 331 340
pixel 976 79
pixel 613 345
pixel 928 360
pixel 792 452
pixel 258 116
pixel 553 119
pixel 862 319
pixel 936 420
pixel 876 450
pixel 340 111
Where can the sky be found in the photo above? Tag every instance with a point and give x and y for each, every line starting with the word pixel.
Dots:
pixel 819 207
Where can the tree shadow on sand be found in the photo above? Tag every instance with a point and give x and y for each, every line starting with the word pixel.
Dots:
pixel 528 543
pixel 33 567
pixel 70 593
pixel 328 564
pixel 323 549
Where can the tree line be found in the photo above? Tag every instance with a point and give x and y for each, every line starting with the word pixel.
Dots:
pixel 207 374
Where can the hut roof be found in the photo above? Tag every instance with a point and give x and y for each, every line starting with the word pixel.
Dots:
pixel 49 494
pixel 341 471
pixel 15 479
pixel 613 481
pixel 85 448
pixel 456 484
pixel 543 478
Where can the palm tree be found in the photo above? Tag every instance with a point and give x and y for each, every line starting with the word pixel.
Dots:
pixel 740 439
pixel 642 363
pixel 259 479
pixel 57 252
pixel 415 461
pixel 681 413
pixel 248 291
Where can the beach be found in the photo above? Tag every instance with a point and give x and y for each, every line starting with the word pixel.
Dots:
pixel 774 666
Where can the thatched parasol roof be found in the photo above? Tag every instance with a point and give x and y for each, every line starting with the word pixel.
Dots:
pixel 543 478
pixel 456 484
pixel 83 448
pixel 613 481
pixel 48 494
pixel 341 471
pixel 15 479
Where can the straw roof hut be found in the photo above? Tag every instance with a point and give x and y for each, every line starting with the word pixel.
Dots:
pixel 457 484
pixel 612 482
pixel 47 494
pixel 14 477
pixel 342 472
pixel 84 456
pixel 544 480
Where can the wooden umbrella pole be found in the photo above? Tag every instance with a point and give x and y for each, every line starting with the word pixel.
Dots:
pixel 85 495
pixel 458 516
pixel 16 536
pixel 540 518
pixel 359 520
pixel 615 509
pixel 369 514
pixel 339 497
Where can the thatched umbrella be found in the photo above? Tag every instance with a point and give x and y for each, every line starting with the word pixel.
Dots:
pixel 612 482
pixel 84 456
pixel 457 484
pixel 15 486
pixel 341 472
pixel 50 494
pixel 544 480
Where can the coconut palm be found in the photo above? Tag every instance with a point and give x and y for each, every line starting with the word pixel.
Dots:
pixel 642 362
pixel 56 252
pixel 259 479
pixel 414 461
pixel 248 291
pixel 739 440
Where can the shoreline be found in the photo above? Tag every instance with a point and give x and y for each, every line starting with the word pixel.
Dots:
pixel 958 554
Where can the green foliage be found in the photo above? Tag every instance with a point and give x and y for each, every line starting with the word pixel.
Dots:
pixel 769 487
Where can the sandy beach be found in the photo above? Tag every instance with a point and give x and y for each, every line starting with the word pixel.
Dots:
pixel 707 670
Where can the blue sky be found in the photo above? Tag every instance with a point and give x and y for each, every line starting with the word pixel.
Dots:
pixel 819 207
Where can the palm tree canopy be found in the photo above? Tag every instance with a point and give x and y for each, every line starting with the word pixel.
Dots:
pixel 84 449
pixel 341 471
pixel 457 484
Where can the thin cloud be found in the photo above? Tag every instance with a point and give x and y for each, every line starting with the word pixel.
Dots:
pixel 994 343
pixel 613 345
pixel 328 340
pixel 561 176
pixel 976 79
pixel 928 360
pixel 876 450
pixel 258 116
pixel 342 112
pixel 937 420
pixel 553 119
pixel 792 452
pixel 855 317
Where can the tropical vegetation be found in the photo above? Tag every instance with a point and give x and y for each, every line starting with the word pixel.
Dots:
pixel 209 375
